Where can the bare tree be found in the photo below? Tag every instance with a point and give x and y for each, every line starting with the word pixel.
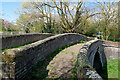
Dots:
pixel 109 18
pixel 70 18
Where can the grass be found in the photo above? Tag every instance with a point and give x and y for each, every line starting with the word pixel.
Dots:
pixel 39 71
pixel 75 70
pixel 112 69
pixel 66 52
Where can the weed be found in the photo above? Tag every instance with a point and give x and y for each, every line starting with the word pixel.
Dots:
pixel 75 70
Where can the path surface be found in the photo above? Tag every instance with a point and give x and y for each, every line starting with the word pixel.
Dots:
pixel 62 64
pixel 59 66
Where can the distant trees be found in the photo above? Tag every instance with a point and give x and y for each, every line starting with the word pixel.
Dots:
pixel 35 17
pixel 109 20
pixel 7 26
pixel 69 17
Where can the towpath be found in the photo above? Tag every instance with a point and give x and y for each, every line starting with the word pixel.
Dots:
pixel 59 66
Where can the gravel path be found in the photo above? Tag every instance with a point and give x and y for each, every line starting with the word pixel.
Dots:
pixel 62 64
pixel 59 65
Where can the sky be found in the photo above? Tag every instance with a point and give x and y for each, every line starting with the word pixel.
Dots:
pixel 8 10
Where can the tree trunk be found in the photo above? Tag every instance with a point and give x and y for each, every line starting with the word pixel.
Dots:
pixel 114 38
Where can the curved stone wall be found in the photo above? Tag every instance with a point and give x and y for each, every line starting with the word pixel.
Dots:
pixel 9 41
pixel 18 62
pixel 88 62
pixel 85 60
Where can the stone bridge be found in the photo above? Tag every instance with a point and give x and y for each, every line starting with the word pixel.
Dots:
pixel 18 61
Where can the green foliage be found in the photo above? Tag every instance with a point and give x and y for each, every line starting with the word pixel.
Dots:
pixel 38 17
pixel 82 41
pixel 3 28
pixel 10 26
pixel 90 31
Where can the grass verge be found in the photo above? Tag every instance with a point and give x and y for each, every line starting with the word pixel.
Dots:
pixel 75 70
pixel 112 67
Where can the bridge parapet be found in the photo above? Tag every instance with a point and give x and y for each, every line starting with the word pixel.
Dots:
pixel 93 55
pixel 10 41
pixel 18 62
pixel 85 60
pixel 111 50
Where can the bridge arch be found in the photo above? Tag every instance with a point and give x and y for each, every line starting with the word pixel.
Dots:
pixel 91 57
pixel 96 54
pixel 97 64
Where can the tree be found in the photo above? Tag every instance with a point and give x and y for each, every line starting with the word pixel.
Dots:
pixel 69 18
pixel 7 26
pixel 70 24
pixel 109 20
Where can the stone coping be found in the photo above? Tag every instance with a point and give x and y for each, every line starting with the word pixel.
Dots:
pixel 23 34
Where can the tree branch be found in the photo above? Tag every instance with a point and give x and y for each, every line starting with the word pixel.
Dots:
pixel 60 15
pixel 77 10
pixel 93 15
pixel 69 11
